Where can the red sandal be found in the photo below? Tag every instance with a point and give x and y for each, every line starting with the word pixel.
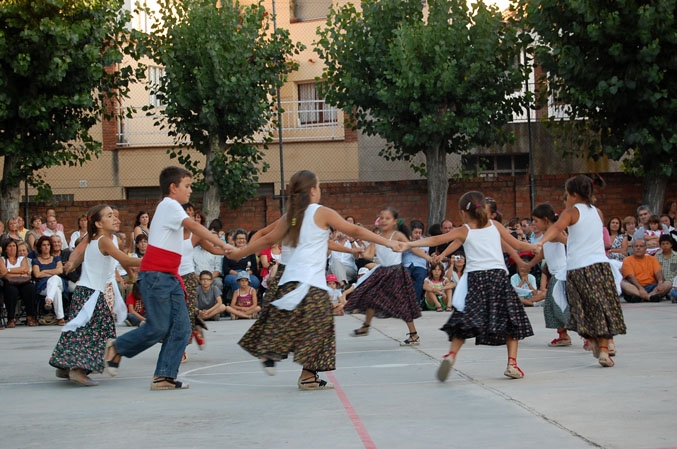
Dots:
pixel 512 370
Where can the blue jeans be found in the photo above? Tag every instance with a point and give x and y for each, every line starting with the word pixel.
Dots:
pixel 418 275
pixel 166 320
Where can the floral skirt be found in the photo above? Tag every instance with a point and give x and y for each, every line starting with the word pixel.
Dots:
pixel 594 303
pixel 389 291
pixel 492 311
pixel 307 331
pixel 84 348
pixel 191 282
pixel 554 317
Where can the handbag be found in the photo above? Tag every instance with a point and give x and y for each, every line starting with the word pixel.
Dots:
pixel 17 280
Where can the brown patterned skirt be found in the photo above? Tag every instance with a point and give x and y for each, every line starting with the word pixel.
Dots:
pixel 307 331
pixel 191 282
pixel 594 303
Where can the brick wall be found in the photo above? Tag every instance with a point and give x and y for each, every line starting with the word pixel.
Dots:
pixel 364 200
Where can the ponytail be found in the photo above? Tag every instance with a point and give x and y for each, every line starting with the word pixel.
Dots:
pixel 474 204
pixel 299 199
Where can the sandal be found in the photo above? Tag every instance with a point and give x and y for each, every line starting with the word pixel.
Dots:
pixel 560 341
pixel 112 364
pixel 31 321
pixel 594 347
pixel 612 349
pixel 512 370
pixel 62 373
pixel 78 376
pixel 48 304
pixel 361 332
pixel 446 365
pixel 439 309
pixel 173 384
pixel 268 366
pixel 411 341
pixel 604 358
pixel 314 382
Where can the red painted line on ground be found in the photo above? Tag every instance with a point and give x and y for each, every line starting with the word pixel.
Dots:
pixel 352 414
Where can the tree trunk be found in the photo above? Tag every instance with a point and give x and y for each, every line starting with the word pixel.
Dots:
pixel 211 204
pixel 654 186
pixel 438 183
pixel 9 194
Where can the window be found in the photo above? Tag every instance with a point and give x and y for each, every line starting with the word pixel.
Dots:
pixel 143 193
pixel 309 9
pixel 495 165
pixel 312 108
pixel 155 75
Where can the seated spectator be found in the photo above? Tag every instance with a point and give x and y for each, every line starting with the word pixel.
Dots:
pixel 526 287
pixel 342 265
pixel 643 276
pixel 52 229
pixel 416 260
pixel 335 295
pixel 231 268
pixel 344 297
pixel 51 213
pixel 47 270
pixel 437 289
pixel 34 233
pixel 667 257
pixel 244 303
pixel 269 257
pixel 665 221
pixel 670 209
pixel 136 311
pixel 17 284
pixel 71 278
pixel 81 231
pixel 652 235
pixel 141 225
pixel 619 240
pixel 20 227
pixel 629 228
pixel 11 233
pixel 205 260
pixel 209 302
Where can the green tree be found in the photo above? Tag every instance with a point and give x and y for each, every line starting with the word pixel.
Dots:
pixel 58 75
pixel 436 81
pixel 222 67
pixel 615 65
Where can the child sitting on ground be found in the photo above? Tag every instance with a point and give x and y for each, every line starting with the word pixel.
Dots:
pixel 335 295
pixel 524 284
pixel 244 303
pixel 437 289
pixel 135 309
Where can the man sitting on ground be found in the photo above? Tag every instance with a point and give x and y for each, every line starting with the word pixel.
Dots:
pixel 643 276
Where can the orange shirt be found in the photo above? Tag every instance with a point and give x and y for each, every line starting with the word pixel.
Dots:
pixel 643 269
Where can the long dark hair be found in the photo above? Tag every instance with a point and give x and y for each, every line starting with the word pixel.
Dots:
pixel 299 199
pixel 94 215
pixel 582 186
pixel 544 212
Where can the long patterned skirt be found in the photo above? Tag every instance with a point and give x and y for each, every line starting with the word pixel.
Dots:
pixel 191 282
pixel 307 331
pixel 389 291
pixel 492 311
pixel 555 318
pixel 84 348
pixel 593 300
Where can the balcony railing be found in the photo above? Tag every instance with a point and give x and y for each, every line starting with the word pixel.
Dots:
pixel 301 121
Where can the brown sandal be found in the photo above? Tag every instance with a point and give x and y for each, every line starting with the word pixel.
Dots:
pixel 314 382
pixel 173 384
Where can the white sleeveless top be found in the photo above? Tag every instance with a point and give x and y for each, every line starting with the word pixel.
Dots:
pixel 97 269
pixel 556 257
pixel 187 265
pixel 16 265
pixel 306 262
pixel 483 249
pixel 386 257
pixel 585 245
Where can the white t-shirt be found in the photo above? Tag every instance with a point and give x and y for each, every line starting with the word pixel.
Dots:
pixel 166 229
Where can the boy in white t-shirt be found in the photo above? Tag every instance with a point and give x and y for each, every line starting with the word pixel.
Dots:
pixel 161 286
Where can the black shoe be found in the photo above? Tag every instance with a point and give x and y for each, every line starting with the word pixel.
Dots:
pixel 632 298
pixel 655 298
pixel 269 366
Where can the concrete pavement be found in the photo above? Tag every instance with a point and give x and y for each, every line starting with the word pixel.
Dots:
pixel 386 396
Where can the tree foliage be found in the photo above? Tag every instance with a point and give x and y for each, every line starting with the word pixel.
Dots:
pixel 615 65
pixel 438 80
pixel 222 67
pixel 57 76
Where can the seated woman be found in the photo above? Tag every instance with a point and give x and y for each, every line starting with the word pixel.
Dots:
pixel 47 271
pixel 11 232
pixel 34 233
pixel 231 268
pixel 17 284
pixel 244 303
